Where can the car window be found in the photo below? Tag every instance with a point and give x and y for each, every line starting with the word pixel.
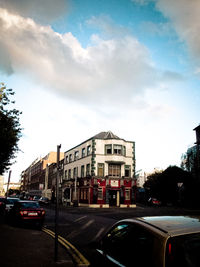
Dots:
pixel 12 201
pixel 128 243
pixel 183 251
pixel 3 200
pixel 29 205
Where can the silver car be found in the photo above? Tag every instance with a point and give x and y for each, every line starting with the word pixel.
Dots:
pixel 164 241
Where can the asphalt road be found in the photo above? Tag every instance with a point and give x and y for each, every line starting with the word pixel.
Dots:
pixel 81 226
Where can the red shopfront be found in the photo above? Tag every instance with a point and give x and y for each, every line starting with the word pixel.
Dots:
pixel 111 191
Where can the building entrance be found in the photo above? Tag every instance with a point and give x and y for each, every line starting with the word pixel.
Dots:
pixel 113 197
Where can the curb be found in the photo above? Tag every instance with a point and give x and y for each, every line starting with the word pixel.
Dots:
pixel 77 257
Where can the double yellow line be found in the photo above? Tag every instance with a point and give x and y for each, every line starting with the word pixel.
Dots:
pixel 79 259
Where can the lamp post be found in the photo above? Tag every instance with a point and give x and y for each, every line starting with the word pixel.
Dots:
pixel 56 206
pixel 9 175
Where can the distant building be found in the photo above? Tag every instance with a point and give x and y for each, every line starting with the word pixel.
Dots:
pixel 141 177
pixel 33 178
pixel 2 192
pixel 11 185
pixel 100 170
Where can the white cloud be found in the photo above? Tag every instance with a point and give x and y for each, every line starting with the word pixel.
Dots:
pixel 184 14
pixel 42 10
pixel 119 68
pixel 141 2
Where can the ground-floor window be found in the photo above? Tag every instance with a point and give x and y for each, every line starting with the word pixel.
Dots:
pixel 100 193
pixel 84 194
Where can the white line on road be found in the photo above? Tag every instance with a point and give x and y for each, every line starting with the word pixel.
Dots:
pixel 81 218
pixel 99 233
pixel 87 224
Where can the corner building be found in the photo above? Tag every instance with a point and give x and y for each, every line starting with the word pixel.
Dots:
pixel 101 170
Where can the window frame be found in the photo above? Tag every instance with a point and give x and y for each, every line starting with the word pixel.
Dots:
pixel 108 146
pixel 114 148
pixel 89 150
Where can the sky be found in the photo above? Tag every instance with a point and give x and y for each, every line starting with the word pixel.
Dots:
pixel 80 67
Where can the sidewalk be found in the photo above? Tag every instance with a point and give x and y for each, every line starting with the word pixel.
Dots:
pixel 22 247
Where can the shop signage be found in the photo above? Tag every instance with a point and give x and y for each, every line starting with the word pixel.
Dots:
pixel 114 183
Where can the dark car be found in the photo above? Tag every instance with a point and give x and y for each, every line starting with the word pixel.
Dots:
pixel 27 212
pixel 10 202
pixel 2 205
pixel 36 198
pixel 44 201
pixel 164 241
pixel 152 201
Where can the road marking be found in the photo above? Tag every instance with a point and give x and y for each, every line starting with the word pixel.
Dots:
pixel 81 218
pixel 100 232
pixel 87 224
pixel 75 254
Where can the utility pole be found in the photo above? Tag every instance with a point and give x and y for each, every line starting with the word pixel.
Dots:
pixel 9 175
pixel 56 206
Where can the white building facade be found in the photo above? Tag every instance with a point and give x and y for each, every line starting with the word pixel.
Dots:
pixel 101 170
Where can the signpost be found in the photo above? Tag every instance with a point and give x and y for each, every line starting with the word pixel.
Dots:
pixel 56 206
pixel 8 183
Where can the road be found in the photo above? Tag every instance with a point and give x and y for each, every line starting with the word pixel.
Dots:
pixel 81 226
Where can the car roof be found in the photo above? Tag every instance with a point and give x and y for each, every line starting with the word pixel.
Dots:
pixel 170 225
pixel 27 201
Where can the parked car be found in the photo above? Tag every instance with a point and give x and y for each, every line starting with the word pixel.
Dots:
pixel 27 212
pixel 10 203
pixel 164 241
pixel 154 202
pixel 36 198
pixel 44 201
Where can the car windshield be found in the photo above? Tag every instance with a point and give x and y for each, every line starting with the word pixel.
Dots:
pixel 30 205
pixel 12 200
pixel 183 251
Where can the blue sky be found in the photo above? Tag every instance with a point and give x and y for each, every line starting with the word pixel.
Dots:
pixel 80 67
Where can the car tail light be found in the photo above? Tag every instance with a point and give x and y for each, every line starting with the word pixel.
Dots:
pixel 43 212
pixel 170 249
pixel 23 212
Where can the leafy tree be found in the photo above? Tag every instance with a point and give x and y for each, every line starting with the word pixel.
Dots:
pixel 165 185
pixel 10 131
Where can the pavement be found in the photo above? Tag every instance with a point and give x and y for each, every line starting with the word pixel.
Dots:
pixel 27 246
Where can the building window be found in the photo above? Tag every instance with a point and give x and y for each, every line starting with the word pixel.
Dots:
pixel 75 172
pixel 88 150
pixel 83 152
pixel 118 149
pixel 100 193
pixel 70 158
pixel 76 155
pixel 69 174
pixel 87 169
pixel 114 170
pixel 124 151
pixel 82 171
pixel 127 194
pixel 101 169
pixel 66 174
pixel 66 159
pixel 108 149
pixel 127 172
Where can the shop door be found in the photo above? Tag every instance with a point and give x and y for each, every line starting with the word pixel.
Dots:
pixel 113 198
